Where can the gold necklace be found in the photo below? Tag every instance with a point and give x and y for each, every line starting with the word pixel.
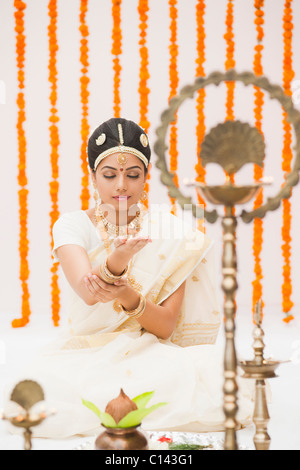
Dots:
pixel 118 230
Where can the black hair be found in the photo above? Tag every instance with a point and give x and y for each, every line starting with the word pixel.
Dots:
pixel 109 129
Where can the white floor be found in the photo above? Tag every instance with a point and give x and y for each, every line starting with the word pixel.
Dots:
pixel 17 346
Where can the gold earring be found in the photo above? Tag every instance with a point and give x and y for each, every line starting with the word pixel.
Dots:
pixel 97 198
pixel 144 196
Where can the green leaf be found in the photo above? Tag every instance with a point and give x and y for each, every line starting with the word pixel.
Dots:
pixel 108 421
pixel 174 446
pixel 92 407
pixel 142 400
pixel 134 418
pixel 105 418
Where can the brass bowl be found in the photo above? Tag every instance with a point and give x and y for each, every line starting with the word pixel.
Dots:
pixel 229 194
pixel 26 423
pixel 253 370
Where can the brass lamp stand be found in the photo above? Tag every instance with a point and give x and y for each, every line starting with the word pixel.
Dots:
pixel 260 369
pixel 26 394
pixel 235 195
pixel 231 144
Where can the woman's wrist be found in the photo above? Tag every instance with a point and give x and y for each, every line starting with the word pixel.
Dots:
pixel 117 263
pixel 130 298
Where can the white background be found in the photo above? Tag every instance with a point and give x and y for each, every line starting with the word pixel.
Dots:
pixel 101 108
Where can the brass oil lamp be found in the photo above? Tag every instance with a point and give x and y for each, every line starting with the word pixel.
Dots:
pixel 26 395
pixel 260 369
pixel 231 145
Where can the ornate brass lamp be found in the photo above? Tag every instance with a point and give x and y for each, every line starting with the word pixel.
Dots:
pixel 26 394
pixel 231 145
pixel 260 369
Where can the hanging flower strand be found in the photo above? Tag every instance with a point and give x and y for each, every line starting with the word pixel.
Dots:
pixel 174 80
pixel 287 156
pixel 200 102
pixel 230 62
pixel 144 91
pixel 116 52
pixel 84 94
pixel 20 8
pixel 258 171
pixel 54 144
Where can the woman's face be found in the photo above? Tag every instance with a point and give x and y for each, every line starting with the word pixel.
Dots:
pixel 120 186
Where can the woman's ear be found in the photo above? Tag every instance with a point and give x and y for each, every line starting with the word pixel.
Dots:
pixel 93 176
pixel 148 169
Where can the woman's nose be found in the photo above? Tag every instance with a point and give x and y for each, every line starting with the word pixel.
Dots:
pixel 121 182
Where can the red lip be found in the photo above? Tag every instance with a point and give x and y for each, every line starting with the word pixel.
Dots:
pixel 121 197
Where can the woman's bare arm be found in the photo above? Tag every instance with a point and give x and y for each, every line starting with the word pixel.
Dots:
pixel 77 267
pixel 157 319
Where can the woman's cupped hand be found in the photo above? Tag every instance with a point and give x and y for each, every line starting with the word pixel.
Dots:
pixel 103 291
pixel 128 247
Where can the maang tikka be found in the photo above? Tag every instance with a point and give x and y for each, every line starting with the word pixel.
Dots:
pixel 121 158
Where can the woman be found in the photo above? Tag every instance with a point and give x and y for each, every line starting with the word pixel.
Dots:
pixel 143 311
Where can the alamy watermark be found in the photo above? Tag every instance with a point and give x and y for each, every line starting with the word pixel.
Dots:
pixel 2 352
pixel 295 357
pixel 183 226
pixel 2 92
pixel 296 92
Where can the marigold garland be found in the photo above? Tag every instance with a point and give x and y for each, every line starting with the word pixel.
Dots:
pixel 144 91
pixel 174 80
pixel 22 178
pixel 258 171
pixel 54 144
pixel 287 156
pixel 116 52
pixel 200 128
pixel 84 94
pixel 229 64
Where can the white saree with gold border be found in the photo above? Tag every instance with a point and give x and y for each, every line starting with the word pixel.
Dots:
pixel 102 350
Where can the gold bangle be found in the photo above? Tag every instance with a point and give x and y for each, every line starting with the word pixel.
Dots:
pixel 107 276
pixel 138 312
pixel 114 276
pixel 104 276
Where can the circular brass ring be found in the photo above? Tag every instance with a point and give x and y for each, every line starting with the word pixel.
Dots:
pixel 215 78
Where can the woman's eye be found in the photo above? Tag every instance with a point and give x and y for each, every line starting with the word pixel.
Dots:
pixel 129 176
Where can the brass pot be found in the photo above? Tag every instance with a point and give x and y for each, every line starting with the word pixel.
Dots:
pixel 121 439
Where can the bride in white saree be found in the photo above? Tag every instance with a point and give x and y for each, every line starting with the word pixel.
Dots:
pixel 143 312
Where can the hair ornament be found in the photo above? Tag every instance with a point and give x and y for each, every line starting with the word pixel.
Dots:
pixel 121 136
pixel 144 140
pixel 120 149
pixel 101 139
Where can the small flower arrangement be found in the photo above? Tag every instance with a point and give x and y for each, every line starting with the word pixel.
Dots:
pixel 122 412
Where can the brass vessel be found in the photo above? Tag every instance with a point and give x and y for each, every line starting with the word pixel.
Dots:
pixel 121 439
